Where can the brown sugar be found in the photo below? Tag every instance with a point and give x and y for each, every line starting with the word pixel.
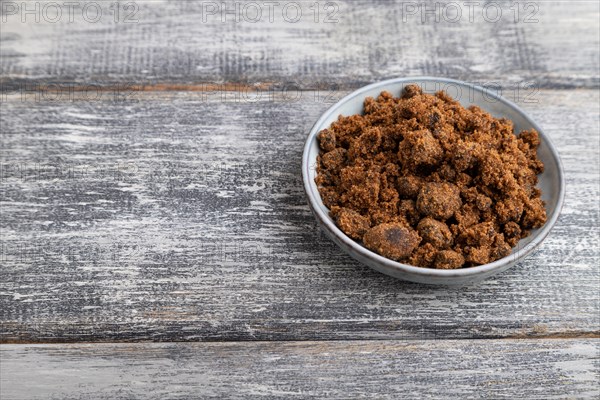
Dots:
pixel 422 180
pixel 439 200
pixel 393 240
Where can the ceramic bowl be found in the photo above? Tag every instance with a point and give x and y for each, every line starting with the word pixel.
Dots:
pixel 551 181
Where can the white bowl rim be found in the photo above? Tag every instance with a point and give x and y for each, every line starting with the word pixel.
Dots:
pixel 520 253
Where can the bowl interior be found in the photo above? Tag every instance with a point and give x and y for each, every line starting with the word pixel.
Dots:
pixel 550 181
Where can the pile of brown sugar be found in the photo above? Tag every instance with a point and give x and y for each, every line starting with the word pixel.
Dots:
pixel 424 181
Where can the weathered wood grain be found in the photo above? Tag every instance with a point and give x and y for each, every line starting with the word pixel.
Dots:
pixel 133 213
pixel 552 44
pixel 444 369
pixel 181 216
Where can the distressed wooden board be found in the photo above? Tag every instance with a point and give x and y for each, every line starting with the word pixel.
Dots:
pixel 440 369
pixel 181 216
pixel 553 44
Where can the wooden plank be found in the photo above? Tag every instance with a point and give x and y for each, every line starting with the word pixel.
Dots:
pixel 446 369
pixel 177 216
pixel 552 44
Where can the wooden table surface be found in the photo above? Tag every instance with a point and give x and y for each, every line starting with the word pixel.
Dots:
pixel 156 241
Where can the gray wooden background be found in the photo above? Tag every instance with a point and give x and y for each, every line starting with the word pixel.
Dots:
pixel 156 242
